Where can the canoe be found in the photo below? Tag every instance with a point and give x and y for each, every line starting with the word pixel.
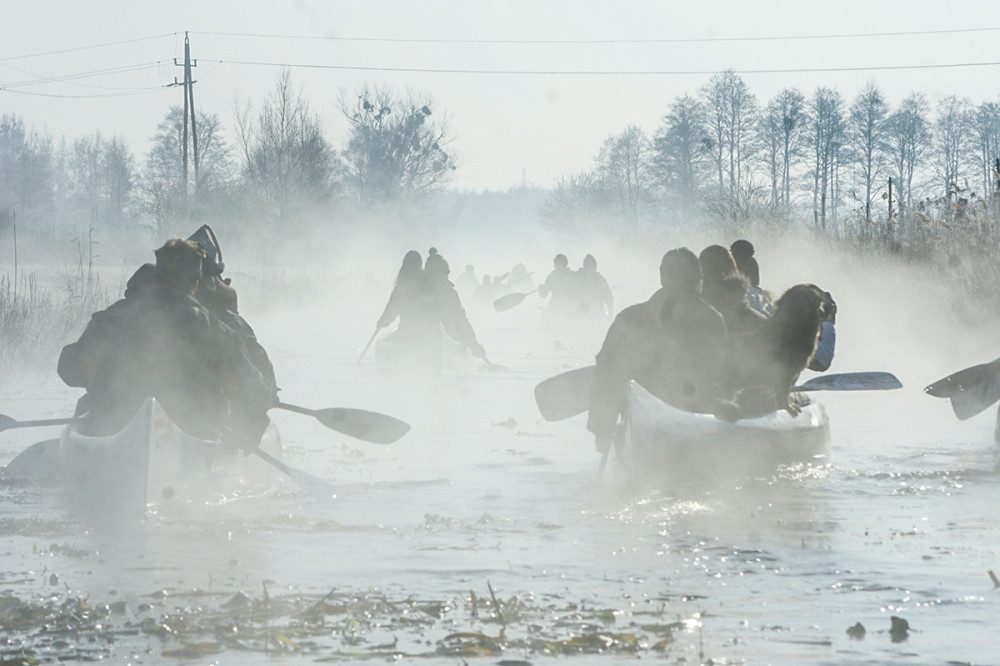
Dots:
pixel 671 443
pixel 426 355
pixel 148 464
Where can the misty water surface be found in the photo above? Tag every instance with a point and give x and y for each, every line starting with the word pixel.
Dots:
pixel 900 520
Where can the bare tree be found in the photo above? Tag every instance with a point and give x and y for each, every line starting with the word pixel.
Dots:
pixel 284 152
pixel 161 191
pixel 951 140
pixel 731 110
pixel 986 133
pixel 395 151
pixel 866 137
pixel 908 137
pixel 680 148
pixel 827 118
pixel 782 131
pixel 623 168
pixel 119 177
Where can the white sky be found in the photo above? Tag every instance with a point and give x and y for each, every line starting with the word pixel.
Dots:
pixel 507 127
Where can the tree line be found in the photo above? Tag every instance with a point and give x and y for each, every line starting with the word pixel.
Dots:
pixel 280 166
pixel 721 155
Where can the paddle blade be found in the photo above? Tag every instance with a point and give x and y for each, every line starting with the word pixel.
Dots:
pixel 362 424
pixel 969 378
pixel 312 484
pixel 6 422
pixel 975 399
pixel 565 395
pixel 852 381
pixel 508 301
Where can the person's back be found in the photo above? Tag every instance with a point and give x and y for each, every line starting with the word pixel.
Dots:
pixel 673 344
pixel 595 292
pixel 559 285
pixel 160 342
pixel 443 304
pixel 407 301
pixel 717 263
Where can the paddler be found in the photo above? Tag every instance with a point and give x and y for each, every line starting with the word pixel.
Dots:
pixel 674 344
pixel 161 342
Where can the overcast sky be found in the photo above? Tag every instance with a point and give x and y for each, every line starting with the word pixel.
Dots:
pixel 545 121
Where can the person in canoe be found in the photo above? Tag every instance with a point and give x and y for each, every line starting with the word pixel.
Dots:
pixel 779 350
pixel 217 295
pixel 161 342
pixel 673 344
pixel 558 287
pixel 716 265
pixel 760 300
pixel 441 304
pixel 406 295
pixel 594 292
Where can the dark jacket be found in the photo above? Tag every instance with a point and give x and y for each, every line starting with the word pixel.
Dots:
pixel 162 343
pixel 674 345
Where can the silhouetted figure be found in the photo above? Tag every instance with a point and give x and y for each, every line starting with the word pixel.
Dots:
pixel 758 299
pixel 559 286
pixel 218 296
pixel 161 342
pixel 442 305
pixel 673 344
pixel 594 292
pixel 467 282
pixel 406 298
pixel 716 264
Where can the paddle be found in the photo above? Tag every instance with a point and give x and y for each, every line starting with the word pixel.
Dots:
pixel 971 390
pixel 510 300
pixel 852 381
pixel 364 425
pixel 7 422
pixel 358 423
pixel 370 341
pixel 312 484
pixel 568 394
pixel 565 395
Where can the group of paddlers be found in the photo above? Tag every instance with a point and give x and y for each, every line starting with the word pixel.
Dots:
pixel 710 340
pixel 577 293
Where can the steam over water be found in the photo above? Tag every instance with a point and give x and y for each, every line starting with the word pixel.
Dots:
pixel 899 520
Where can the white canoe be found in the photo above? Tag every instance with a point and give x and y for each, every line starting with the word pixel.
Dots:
pixel 428 355
pixel 149 463
pixel 669 442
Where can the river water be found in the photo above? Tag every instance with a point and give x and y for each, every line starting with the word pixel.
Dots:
pixel 484 507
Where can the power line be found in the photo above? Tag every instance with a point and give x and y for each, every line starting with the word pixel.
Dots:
pixel 678 40
pixel 89 46
pixel 124 93
pixel 80 75
pixel 40 79
pixel 528 72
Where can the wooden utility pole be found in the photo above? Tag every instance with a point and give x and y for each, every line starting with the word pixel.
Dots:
pixel 188 85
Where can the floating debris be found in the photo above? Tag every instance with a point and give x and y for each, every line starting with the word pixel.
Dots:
pixel 340 625
pixel 993 577
pixel 900 629
pixel 856 632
